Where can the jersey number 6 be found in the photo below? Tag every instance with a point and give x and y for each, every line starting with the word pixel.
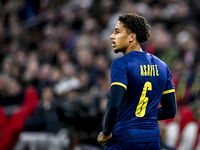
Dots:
pixel 142 105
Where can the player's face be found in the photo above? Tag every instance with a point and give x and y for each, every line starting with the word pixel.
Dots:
pixel 120 38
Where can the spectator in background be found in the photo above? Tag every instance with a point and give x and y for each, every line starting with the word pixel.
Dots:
pixel 175 128
pixel 13 118
pixel 42 129
pixel 69 80
pixel 189 139
pixel 163 144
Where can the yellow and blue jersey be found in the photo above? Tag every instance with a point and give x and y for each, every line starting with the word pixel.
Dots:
pixel 145 78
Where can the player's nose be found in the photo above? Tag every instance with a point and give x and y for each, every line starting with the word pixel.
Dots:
pixel 111 36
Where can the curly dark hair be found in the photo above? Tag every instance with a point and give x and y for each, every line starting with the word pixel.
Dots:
pixel 136 24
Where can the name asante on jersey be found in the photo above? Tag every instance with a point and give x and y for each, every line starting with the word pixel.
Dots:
pixel 149 70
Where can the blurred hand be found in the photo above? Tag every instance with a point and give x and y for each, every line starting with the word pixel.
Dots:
pixel 103 138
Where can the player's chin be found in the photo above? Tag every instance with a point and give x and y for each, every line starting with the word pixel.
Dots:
pixel 117 50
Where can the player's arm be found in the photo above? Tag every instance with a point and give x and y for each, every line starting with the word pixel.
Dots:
pixel 112 109
pixel 116 95
pixel 118 75
pixel 168 106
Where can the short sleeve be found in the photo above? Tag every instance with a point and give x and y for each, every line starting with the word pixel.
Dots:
pixel 118 73
pixel 169 86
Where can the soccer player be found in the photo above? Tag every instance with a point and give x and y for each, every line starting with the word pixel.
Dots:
pixel 139 82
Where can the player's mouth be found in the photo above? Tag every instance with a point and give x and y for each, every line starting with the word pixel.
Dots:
pixel 113 43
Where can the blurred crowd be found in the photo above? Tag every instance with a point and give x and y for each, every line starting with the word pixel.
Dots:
pixel 54 73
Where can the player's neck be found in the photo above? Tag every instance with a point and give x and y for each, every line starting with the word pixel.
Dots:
pixel 133 47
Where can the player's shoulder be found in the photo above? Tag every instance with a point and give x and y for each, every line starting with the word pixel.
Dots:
pixel 120 60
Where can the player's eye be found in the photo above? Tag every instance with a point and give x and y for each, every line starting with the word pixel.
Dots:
pixel 116 31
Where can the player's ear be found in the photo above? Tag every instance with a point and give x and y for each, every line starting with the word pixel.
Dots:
pixel 132 37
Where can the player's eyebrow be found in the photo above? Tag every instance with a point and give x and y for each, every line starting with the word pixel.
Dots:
pixel 116 29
